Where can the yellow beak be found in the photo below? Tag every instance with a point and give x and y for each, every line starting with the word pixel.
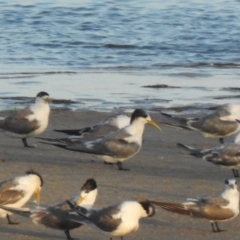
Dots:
pixel 37 192
pixel 48 100
pixel 80 200
pixel 154 124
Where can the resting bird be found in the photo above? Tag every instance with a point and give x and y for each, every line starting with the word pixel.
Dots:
pixel 225 155
pixel 16 191
pixel 28 122
pixel 118 220
pixel 99 130
pixel 219 124
pixel 61 216
pixel 114 147
pixel 214 209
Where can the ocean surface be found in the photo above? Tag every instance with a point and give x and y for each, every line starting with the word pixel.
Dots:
pixel 99 55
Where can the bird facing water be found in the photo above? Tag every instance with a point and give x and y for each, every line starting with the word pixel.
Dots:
pixel 30 121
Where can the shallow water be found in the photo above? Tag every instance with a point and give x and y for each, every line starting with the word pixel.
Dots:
pixel 118 91
pixel 100 53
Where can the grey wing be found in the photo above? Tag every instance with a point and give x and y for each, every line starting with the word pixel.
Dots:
pixel 227 156
pixel 118 148
pixel 210 208
pixel 99 131
pixel 56 217
pixel 8 193
pixel 112 145
pixel 230 155
pixel 116 144
pixel 214 125
pixel 107 219
pixel 208 200
pixel 17 122
pixel 11 196
pixel 122 149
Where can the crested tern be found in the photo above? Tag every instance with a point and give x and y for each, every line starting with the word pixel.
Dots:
pixel 225 155
pixel 114 147
pixel 214 209
pixel 61 216
pixel 118 220
pixel 15 192
pixel 30 121
pixel 220 124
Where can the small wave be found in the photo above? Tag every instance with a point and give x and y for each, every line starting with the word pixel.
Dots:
pixel 199 65
pixel 120 46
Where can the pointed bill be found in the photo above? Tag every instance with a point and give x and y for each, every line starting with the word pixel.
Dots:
pixel 154 124
pixel 38 195
pixel 80 200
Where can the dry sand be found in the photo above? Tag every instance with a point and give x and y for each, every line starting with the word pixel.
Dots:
pixel 160 172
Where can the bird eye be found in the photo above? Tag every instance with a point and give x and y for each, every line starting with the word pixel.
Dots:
pixel 226 182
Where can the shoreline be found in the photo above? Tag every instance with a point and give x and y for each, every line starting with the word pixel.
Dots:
pixel 111 91
pixel 160 171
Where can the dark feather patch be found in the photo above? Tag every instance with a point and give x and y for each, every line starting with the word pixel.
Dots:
pixel 42 94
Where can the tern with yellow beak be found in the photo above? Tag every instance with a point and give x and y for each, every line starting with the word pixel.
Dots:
pixel 61 216
pixel 114 147
pixel 30 121
pixel 16 191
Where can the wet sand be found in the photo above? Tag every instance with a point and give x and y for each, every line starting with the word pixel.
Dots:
pixel 160 171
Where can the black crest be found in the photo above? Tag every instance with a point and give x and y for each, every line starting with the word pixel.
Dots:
pixel 138 113
pixel 89 185
pixel 148 207
pixel 35 173
pixel 42 94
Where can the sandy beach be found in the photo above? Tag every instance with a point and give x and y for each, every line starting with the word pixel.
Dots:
pixel 160 171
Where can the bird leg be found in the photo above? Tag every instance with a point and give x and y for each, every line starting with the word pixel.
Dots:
pixel 235 172
pixel 212 225
pixel 10 221
pixel 68 235
pixel 221 140
pixel 217 228
pixel 119 164
pixel 24 140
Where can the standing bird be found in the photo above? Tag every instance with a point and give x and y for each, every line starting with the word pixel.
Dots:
pixel 214 209
pixel 114 147
pixel 118 220
pixel 30 121
pixel 100 129
pixel 219 124
pixel 225 155
pixel 16 191
pixel 61 216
